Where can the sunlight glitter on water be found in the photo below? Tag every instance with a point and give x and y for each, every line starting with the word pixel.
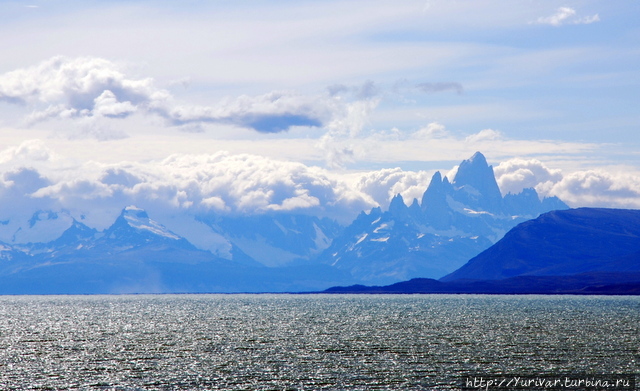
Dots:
pixel 307 341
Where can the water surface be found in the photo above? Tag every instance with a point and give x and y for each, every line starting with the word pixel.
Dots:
pixel 308 341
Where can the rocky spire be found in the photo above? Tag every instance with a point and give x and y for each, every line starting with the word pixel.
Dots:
pixel 478 181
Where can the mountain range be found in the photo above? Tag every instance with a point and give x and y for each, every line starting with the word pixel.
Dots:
pixel 278 251
pixel 584 250
pixel 453 222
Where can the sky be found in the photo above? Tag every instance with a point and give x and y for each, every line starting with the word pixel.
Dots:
pixel 325 107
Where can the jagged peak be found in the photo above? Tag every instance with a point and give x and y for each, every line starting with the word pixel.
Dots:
pixel 477 178
pixel 437 190
pixel 526 192
pixel 398 209
pixel 397 202
pixel 478 157
pixel 476 165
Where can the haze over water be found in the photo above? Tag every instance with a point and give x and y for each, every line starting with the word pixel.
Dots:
pixel 308 341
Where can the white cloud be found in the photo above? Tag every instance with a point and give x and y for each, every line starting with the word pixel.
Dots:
pixel 91 89
pixel 341 143
pixel 432 130
pixel 484 135
pixel 598 188
pixel 268 113
pixel 592 188
pixel 27 153
pixel 107 105
pixel 517 174
pixel 75 84
pixel 217 183
pixel 566 15
pixel 383 185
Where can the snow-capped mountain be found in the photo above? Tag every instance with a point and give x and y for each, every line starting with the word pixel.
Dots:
pixel 135 254
pixel 276 240
pixel 134 228
pixel 139 254
pixel 454 222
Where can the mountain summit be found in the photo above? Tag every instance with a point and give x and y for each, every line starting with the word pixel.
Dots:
pixel 477 184
pixel 134 221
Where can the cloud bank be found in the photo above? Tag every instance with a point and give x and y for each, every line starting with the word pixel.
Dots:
pixel 34 180
pixel 585 188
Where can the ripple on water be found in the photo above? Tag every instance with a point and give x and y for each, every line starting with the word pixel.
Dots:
pixel 307 341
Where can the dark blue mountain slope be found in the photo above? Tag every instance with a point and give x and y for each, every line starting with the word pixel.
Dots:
pixel 562 242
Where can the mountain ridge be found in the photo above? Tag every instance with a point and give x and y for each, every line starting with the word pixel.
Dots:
pixel 455 221
pixel 575 251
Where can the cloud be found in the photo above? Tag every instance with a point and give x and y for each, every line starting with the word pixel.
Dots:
pixel 366 90
pixel 27 153
pixel 24 181
pixel 268 113
pixel 517 174
pixel 566 15
pixel 76 86
pixel 383 185
pixel 341 143
pixel 432 130
pixel 218 183
pixel 440 87
pixel 107 105
pixel 484 135
pixel 592 188
pixel 598 188
pixel 91 89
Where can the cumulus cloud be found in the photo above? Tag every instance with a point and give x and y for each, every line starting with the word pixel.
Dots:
pixel 594 188
pixel 75 86
pixel 598 188
pixel 383 185
pixel 517 174
pixel 27 153
pixel 566 15
pixel 95 88
pixel 218 183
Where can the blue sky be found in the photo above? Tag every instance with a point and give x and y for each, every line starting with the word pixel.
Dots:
pixel 358 95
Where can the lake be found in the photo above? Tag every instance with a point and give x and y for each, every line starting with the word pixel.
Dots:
pixel 309 342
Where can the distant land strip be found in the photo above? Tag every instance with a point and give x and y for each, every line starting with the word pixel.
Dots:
pixel 593 283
